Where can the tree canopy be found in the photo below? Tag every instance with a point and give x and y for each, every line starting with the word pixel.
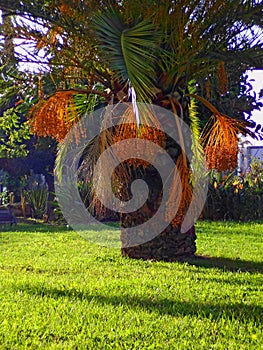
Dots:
pixel 187 56
pixel 101 46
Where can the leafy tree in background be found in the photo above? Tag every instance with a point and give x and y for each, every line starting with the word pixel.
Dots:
pixel 20 151
pixel 13 129
pixel 94 51
pixel 13 135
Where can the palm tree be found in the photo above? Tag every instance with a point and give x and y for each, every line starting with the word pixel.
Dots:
pixel 160 49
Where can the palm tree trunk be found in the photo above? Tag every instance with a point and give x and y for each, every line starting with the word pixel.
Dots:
pixel 171 244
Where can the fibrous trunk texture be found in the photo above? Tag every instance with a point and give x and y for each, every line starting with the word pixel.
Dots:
pixel 169 245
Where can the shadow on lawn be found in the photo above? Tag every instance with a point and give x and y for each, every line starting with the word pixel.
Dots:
pixel 26 225
pixel 162 306
pixel 34 226
pixel 226 264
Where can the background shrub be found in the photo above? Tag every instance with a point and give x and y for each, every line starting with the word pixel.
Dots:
pixel 239 198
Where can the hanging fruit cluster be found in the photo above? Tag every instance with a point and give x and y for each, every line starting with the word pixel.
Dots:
pixel 220 142
pixel 128 129
pixel 54 116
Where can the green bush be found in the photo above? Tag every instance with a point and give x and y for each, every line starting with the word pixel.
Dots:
pixel 238 198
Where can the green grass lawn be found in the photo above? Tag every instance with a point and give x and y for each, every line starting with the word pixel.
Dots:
pixel 59 291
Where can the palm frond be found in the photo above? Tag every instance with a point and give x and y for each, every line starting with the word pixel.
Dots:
pixel 129 50
pixel 206 103
pixel 196 163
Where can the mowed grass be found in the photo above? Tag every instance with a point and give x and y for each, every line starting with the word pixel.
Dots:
pixel 59 291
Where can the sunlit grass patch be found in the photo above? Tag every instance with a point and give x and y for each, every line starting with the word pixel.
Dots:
pixel 60 291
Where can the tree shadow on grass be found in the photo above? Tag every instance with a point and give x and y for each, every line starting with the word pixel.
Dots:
pixel 226 264
pixel 35 226
pixel 159 305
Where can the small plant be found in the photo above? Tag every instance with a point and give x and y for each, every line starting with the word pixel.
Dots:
pixel 37 199
pixel 253 179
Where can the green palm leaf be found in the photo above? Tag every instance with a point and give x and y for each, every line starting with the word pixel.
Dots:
pixel 129 51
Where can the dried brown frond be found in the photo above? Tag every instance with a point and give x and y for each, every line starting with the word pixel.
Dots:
pixel 120 175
